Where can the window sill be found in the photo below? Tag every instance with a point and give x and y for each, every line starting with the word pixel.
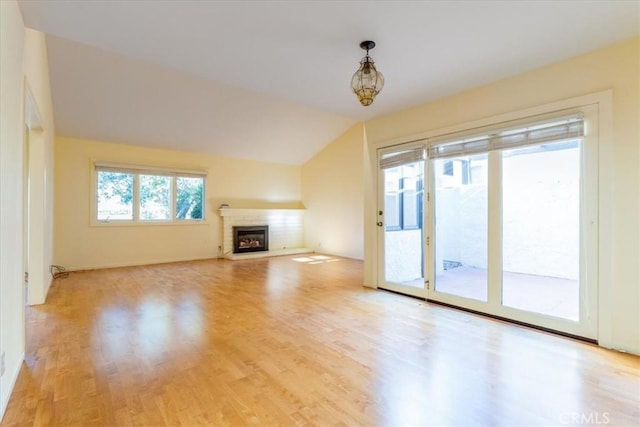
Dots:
pixel 115 223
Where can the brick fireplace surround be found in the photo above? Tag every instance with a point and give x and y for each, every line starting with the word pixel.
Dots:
pixel 286 230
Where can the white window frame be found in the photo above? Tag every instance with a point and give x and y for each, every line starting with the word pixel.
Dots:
pixel 138 170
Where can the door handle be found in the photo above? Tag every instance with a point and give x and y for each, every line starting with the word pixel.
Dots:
pixel 379 224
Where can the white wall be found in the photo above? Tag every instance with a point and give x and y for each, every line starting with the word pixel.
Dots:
pixel 549 208
pixel 461 226
pixel 402 255
pixel 11 157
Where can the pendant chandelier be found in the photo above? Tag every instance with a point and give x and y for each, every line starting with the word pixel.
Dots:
pixel 367 82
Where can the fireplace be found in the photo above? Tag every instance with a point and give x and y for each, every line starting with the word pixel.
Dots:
pixel 253 238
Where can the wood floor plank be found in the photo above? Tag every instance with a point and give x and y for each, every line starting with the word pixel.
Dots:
pixel 277 341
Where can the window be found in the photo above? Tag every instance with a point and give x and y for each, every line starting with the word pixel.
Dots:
pixel 189 197
pixel 461 230
pixel 155 197
pixel 144 196
pixel 115 196
pixel 448 168
pixel 403 189
pixel 513 241
pixel 403 195
pixel 461 171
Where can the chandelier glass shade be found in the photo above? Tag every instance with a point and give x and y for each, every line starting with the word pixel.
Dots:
pixel 367 82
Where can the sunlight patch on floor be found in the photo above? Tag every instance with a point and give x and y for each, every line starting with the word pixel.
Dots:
pixel 316 259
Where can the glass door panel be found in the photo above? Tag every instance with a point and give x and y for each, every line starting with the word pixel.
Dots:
pixel 513 220
pixel 461 226
pixel 401 221
pixel 541 229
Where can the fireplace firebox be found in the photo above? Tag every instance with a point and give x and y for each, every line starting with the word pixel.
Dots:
pixel 253 238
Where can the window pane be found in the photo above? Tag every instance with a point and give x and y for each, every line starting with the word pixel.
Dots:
pixel 461 227
pixel 411 197
pixel 190 197
pixel 541 229
pixel 155 197
pixel 392 198
pixel 447 168
pixel 115 196
pixel 403 246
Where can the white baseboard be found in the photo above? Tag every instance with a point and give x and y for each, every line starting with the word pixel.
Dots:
pixel 135 263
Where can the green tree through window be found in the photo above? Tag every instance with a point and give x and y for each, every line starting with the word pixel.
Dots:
pixel 115 196
pixel 189 198
pixel 157 196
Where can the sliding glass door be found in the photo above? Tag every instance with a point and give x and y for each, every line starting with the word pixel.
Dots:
pixel 514 223
pixel 461 226
pixel 400 219
pixel 541 229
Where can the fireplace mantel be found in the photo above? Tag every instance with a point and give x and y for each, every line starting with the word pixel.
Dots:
pixel 257 212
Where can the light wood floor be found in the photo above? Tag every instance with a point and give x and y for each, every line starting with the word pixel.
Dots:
pixel 280 342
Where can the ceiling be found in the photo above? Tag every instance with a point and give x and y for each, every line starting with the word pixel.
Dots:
pixel 269 80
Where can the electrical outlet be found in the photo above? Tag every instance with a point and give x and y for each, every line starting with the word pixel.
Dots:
pixel 2 366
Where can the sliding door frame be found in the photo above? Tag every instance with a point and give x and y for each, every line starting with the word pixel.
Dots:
pixel 598 127
pixel 381 229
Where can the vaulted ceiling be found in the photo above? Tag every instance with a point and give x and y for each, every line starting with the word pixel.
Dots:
pixel 269 80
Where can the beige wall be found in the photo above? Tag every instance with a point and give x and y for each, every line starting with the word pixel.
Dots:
pixel 239 183
pixel 333 194
pixel 615 67
pixel 24 68
pixel 40 169
pixel 11 122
